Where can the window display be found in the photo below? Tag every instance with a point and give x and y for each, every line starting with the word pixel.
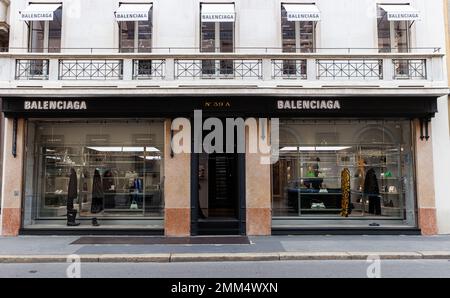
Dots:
pixel 344 169
pixel 93 170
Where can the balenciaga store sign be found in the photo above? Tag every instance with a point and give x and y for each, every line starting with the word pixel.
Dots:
pixel 55 105
pixel 410 107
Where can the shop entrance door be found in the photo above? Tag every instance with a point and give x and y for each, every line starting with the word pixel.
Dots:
pixel 222 186
pixel 218 204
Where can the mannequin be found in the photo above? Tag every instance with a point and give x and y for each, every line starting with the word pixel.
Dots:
pixel 72 194
pixel 97 196
pixel 372 190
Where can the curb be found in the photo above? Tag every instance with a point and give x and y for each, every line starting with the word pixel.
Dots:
pixel 225 257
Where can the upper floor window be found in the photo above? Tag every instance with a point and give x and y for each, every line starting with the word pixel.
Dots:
pixel 135 27
pixel 298 26
pixel 394 27
pixel 44 23
pixel 217 35
pixel 217 28
pixel 4 27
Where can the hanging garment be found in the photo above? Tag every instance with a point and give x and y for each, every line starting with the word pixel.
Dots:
pixel 345 188
pixel 97 193
pixel 72 191
pixel 138 185
pixel 371 183
pixel 372 189
pixel 109 189
pixel 136 196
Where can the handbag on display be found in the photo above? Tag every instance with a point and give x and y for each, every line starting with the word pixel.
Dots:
pixel 388 174
pixel 134 205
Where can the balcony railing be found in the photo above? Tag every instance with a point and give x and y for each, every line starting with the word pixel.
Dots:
pixel 36 69
pixel 410 69
pixel 149 69
pixel 218 69
pixel 350 69
pixel 90 69
pixel 262 67
pixel 289 69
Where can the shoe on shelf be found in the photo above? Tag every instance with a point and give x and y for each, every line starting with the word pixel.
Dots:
pixel 95 222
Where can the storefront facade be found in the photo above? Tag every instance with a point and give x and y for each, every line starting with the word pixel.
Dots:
pixel 349 101
pixel 346 165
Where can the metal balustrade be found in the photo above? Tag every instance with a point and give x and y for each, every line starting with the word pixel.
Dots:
pixel 410 69
pixel 350 69
pixel 149 69
pixel 36 69
pixel 90 69
pixel 289 69
pixel 218 69
pixel 259 67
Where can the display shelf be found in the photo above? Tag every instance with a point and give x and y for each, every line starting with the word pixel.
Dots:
pixel 56 194
pixel 321 210
pixel 318 193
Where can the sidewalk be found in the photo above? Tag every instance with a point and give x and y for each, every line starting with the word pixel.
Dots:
pixel 56 249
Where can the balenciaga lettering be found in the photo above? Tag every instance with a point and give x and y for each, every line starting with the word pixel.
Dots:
pixel 402 16
pixel 217 17
pixel 131 16
pixel 55 105
pixel 303 16
pixel 37 15
pixel 309 105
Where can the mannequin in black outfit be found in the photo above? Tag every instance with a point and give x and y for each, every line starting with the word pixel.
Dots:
pixel 97 196
pixel 372 190
pixel 72 194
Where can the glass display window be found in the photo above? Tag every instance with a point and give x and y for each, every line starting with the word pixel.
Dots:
pixel 106 169
pixel 344 169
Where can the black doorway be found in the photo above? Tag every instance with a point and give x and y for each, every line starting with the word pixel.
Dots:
pixel 218 193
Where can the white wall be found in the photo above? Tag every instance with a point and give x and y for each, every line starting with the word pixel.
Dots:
pixel 344 24
pixel 441 154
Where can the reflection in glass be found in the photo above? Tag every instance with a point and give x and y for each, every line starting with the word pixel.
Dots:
pixel 127 34
pixel 136 36
pixel 393 36
pixel 36 43
pixel 54 32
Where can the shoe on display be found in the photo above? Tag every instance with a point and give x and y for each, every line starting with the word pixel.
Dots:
pixel 318 206
pixel 95 222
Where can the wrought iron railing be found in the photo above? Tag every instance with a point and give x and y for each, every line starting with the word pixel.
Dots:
pixel 350 69
pixel 261 67
pixel 218 69
pixel 90 69
pixel 149 69
pixel 410 69
pixel 36 69
pixel 289 69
